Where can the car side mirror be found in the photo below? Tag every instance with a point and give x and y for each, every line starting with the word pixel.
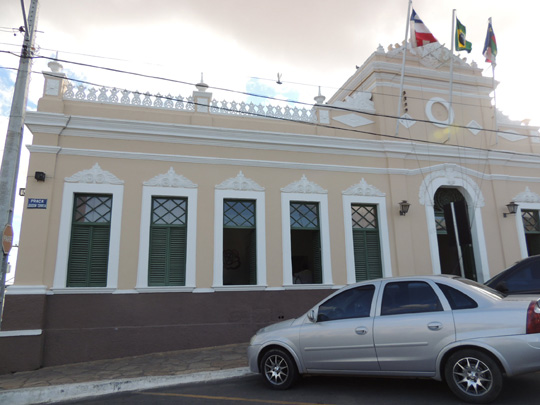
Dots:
pixel 311 316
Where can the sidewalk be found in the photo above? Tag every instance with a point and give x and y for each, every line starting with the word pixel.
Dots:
pixel 102 377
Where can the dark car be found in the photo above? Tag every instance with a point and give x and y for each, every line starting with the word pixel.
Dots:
pixel 521 278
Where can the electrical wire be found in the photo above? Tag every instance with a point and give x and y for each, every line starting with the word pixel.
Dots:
pixel 281 100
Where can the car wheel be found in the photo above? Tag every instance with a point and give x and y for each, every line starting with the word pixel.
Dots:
pixel 473 376
pixel 278 369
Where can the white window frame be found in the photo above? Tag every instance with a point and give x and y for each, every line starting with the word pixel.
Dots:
pixel 519 225
pixel 259 198
pixel 64 235
pixel 384 238
pixel 144 241
pixel 324 231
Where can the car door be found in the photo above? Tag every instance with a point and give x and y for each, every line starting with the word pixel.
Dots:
pixel 411 327
pixel 341 338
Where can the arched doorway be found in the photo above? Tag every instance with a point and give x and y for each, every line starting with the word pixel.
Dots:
pixel 454 238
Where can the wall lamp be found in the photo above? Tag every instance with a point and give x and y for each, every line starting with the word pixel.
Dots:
pixel 404 207
pixel 39 176
pixel 512 209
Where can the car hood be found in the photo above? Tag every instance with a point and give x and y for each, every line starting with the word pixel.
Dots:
pixel 277 326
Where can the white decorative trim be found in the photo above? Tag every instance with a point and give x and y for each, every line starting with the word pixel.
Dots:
pixel 26 290
pixel 407 122
pixel 324 227
pixel 359 101
pixel 451 175
pixel 170 179
pixel 22 332
pixel 171 289
pixel 518 221
pixel 384 235
pixel 353 120
pixel 260 210
pixel 64 234
pixel 512 136
pixel 240 183
pixel 304 186
pixel 364 189
pixel 527 196
pixel 474 127
pixel 82 290
pixel 445 104
pixel 144 235
pixel 95 175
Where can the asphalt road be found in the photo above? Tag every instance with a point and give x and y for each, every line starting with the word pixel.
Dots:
pixel 522 390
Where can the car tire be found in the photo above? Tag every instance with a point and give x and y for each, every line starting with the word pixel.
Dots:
pixel 473 376
pixel 278 369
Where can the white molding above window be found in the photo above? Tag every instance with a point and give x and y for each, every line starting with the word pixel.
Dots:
pixel 93 181
pixel 240 188
pixel 171 185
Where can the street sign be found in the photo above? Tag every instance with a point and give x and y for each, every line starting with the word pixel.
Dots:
pixel 40 203
pixel 7 239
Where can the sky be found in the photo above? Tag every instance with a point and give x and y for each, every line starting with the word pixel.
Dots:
pixel 241 46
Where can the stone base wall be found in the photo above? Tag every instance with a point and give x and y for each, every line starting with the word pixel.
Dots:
pixel 84 327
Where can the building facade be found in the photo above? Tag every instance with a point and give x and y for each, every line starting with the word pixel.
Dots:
pixel 156 223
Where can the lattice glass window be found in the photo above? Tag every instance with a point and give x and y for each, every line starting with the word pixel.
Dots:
pixel 304 215
pixel 366 242
pixel 239 214
pixel 440 223
pixel 169 211
pixel 89 242
pixel 531 221
pixel 92 208
pixel 168 238
pixel 364 216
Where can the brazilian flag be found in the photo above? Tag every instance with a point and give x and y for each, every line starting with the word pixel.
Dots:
pixel 461 41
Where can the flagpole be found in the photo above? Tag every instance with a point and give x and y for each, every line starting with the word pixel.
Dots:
pixel 400 97
pixel 451 66
pixel 494 98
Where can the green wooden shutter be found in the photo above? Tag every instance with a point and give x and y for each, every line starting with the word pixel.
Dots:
pixel 168 241
pixel 89 244
pixel 367 254
pixel 177 256
pixel 157 266
pixel 100 256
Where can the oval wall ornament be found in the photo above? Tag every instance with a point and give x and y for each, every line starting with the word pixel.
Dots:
pixel 435 121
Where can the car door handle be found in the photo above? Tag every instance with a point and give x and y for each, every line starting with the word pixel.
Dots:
pixel 434 326
pixel 361 330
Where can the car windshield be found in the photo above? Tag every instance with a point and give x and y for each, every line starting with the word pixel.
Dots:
pixel 481 287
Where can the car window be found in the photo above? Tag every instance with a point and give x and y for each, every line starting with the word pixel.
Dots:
pixel 407 297
pixel 456 298
pixel 523 280
pixel 352 303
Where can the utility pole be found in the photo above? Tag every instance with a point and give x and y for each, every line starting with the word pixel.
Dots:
pixel 12 149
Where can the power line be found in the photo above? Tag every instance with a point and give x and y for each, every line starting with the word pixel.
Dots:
pixel 282 100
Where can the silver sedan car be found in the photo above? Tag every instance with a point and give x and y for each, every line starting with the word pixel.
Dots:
pixel 440 327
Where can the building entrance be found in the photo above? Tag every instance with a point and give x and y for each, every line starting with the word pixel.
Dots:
pixel 454 239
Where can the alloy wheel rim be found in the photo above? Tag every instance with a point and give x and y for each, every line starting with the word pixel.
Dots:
pixel 472 376
pixel 276 369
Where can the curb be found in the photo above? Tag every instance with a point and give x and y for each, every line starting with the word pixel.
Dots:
pixel 67 392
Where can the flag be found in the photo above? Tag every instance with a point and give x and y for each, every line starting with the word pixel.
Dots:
pixel 461 41
pixel 420 34
pixel 490 46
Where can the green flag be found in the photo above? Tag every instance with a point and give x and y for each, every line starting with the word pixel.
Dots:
pixel 461 41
